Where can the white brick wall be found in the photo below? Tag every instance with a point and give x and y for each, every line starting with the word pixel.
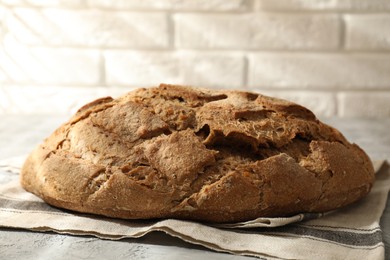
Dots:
pixel 89 27
pixel 257 31
pixel 332 56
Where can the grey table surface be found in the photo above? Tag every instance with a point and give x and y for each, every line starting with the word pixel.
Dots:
pixel 20 134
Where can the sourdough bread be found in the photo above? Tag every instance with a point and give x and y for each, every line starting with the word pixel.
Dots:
pixel 182 152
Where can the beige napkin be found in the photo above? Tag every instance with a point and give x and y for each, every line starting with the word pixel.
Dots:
pixel 349 233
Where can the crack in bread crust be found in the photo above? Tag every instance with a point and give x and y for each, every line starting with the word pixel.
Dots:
pixel 189 153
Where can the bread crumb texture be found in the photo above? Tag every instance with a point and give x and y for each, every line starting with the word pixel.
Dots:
pixel 190 153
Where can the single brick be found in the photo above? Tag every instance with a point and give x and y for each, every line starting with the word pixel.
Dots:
pixel 364 104
pixel 322 103
pixel 48 65
pixel 91 28
pixel 365 31
pixel 34 99
pixel 152 68
pixel 312 70
pixel 257 31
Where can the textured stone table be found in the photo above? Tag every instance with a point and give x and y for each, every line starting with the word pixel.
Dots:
pixel 20 134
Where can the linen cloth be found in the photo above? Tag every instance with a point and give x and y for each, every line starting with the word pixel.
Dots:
pixel 349 233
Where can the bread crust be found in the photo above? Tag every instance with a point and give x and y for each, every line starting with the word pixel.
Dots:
pixel 189 153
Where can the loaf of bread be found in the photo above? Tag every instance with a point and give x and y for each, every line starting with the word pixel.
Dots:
pixel 188 153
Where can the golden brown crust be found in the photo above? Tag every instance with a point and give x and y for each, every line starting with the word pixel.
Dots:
pixel 181 152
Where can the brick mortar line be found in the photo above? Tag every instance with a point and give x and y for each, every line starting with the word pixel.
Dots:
pixel 320 52
pixel 322 89
pixel 284 51
pixel 171 31
pixel 250 10
pixel 249 88
pixel 245 76
pixel 8 84
pixel 127 10
pixel 246 51
pixel 339 91
pixel 319 89
pixel 342 12
pixel 233 50
pixel 102 69
pixel 342 33
pixel 337 104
